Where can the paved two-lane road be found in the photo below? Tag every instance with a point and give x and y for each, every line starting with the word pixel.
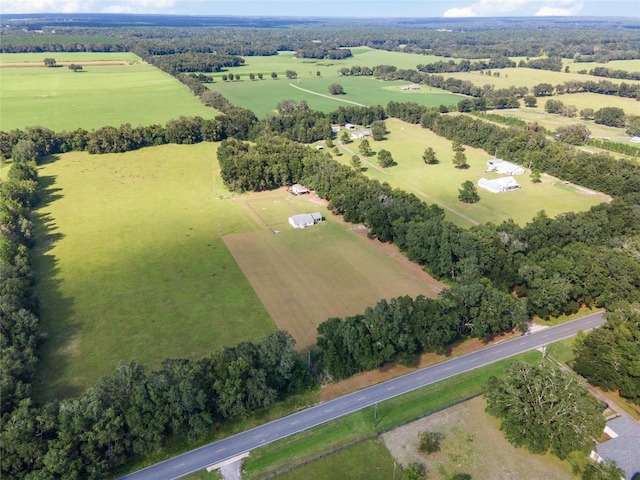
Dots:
pixel 202 457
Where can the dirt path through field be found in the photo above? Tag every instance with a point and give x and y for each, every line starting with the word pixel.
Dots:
pixel 326 96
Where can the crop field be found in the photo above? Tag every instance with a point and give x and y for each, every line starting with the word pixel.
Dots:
pixel 472 444
pixel 131 264
pixel 262 96
pixel 331 269
pixel 60 99
pixel 440 183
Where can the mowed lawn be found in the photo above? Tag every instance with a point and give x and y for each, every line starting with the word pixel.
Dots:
pixel 263 96
pixel 440 183
pixel 331 269
pixel 130 264
pixel 472 443
pixel 100 95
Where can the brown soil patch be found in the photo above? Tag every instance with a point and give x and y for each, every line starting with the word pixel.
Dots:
pixel 472 443
pixel 304 277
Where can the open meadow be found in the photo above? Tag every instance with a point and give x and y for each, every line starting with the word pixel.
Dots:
pixel 262 96
pixel 551 121
pixel 440 183
pixel 118 88
pixel 131 264
pixel 472 443
pixel 328 270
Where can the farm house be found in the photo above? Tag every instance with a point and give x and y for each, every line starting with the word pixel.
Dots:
pixel 361 134
pixel 304 220
pixel 502 166
pixel 499 185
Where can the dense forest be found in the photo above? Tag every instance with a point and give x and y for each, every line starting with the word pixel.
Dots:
pixel 500 275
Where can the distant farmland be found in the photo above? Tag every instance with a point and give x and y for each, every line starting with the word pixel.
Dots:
pixel 128 91
pixel 262 96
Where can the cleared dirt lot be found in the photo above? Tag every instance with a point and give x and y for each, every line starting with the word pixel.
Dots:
pixel 472 444
pixel 331 269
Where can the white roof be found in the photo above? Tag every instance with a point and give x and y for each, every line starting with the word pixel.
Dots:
pixel 303 220
pixel 499 184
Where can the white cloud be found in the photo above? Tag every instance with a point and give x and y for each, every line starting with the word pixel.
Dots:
pixel 460 12
pixel 492 8
pixel 36 6
pixel 558 11
pixel 106 6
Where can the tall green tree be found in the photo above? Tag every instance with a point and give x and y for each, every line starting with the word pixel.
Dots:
pixel 385 159
pixel 468 193
pixel 429 156
pixel 544 409
pixel 365 148
pixel 460 160
pixel 609 356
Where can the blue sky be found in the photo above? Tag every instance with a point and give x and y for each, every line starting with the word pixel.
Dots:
pixel 345 8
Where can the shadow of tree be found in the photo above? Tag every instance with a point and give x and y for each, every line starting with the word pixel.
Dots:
pixel 56 310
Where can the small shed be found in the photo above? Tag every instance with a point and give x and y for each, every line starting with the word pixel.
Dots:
pixel 298 189
pixel 349 126
pixel 502 166
pixel 304 220
pixel 499 185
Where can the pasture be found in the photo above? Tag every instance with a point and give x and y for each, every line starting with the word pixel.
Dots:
pixel 525 77
pixel 440 183
pixel 552 122
pixel 330 269
pixel 472 444
pixel 100 95
pixel 131 265
pixel 262 96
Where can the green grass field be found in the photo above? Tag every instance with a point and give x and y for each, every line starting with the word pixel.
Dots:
pixel 440 183
pixel 552 122
pixel 526 77
pixel 75 57
pixel 262 96
pixel 60 99
pixel 131 264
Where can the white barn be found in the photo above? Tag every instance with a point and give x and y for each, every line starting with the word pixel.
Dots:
pixel 502 166
pixel 298 189
pixel 499 185
pixel 304 220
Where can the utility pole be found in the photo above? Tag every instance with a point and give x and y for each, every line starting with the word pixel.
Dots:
pixel 375 414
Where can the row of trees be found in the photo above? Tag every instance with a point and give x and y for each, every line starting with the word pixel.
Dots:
pixel 399 329
pixel 133 412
